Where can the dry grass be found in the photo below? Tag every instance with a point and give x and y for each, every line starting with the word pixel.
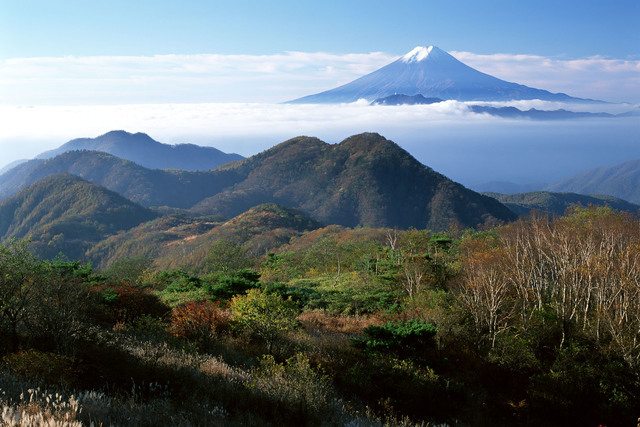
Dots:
pixel 318 322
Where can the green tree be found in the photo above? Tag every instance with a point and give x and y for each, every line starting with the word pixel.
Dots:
pixel 264 315
pixel 19 273
pixel 128 269
pixel 60 308
pixel 226 256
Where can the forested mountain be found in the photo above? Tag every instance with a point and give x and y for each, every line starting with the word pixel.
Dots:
pixel 149 187
pixel 557 203
pixel 364 180
pixel 140 148
pixel 621 180
pixel 64 213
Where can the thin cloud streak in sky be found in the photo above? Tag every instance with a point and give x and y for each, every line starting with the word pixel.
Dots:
pixel 178 78
pixel 614 80
pixel 275 78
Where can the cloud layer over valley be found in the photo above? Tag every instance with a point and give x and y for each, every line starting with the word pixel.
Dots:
pixel 470 148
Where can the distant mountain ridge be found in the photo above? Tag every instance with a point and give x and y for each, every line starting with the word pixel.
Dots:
pixel 432 73
pixel 532 113
pixel 621 181
pixel 140 148
pixel 398 99
pixel 557 203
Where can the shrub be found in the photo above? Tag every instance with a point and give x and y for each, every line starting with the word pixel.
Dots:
pixel 264 315
pixel 49 368
pixel 199 321
pixel 125 302
pixel 223 286
pixel 293 386
pixel 403 337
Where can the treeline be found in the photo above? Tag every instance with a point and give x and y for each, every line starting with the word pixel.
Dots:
pixel 533 322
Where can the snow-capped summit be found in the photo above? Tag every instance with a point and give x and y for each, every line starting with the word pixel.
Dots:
pixel 417 54
pixel 432 73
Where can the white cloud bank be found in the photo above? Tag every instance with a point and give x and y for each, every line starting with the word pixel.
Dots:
pixel 467 147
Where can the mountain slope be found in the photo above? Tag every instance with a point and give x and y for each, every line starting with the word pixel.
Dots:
pixel 64 213
pixel 432 73
pixel 557 203
pixel 11 165
pixel 621 180
pixel 364 180
pixel 148 187
pixel 178 241
pixel 140 148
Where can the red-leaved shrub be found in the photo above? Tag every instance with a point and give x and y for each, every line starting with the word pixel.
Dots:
pixel 199 321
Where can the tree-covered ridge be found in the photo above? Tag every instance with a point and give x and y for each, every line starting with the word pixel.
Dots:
pixel 148 187
pixel 181 241
pixel 558 203
pixel 66 213
pixel 364 180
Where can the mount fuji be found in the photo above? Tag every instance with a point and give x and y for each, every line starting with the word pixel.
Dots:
pixel 433 73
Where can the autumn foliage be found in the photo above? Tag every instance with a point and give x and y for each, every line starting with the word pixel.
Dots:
pixel 199 321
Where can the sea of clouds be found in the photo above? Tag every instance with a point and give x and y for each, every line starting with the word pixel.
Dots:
pixel 470 148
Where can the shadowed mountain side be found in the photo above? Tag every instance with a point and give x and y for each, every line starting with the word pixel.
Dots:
pixel 178 241
pixel 558 203
pixel 140 148
pixel 364 180
pixel 64 213
pixel 148 187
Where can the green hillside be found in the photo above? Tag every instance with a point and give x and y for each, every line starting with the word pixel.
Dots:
pixel 64 213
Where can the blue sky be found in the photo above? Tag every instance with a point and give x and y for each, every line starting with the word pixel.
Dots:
pixel 123 27
pixel 214 73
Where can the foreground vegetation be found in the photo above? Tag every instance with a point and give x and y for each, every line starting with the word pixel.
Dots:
pixel 532 323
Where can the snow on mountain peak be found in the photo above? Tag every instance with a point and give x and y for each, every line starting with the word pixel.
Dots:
pixel 418 54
